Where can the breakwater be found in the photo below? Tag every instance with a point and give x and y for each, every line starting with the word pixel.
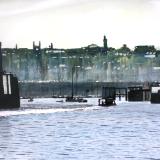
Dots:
pixel 63 89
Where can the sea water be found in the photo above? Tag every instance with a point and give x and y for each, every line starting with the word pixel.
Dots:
pixel 51 129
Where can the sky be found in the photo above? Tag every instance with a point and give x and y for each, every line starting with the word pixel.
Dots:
pixel 78 23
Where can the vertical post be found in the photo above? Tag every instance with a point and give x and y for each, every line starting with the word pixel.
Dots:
pixel 1 68
pixel 72 82
pixel 76 82
pixel 97 87
pixel 119 93
pixel 1 71
pixel 126 95
pixel 74 67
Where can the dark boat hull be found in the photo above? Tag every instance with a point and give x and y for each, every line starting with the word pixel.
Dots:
pixel 155 98
pixel 108 97
pixel 107 102
pixel 9 102
pixel 9 91
pixel 74 99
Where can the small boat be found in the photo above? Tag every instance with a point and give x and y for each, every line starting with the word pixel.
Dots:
pixel 30 99
pixel 108 97
pixel 76 99
pixel 106 102
pixel 60 101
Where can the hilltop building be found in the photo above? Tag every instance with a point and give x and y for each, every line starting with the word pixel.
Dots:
pixel 96 62
pixel 145 50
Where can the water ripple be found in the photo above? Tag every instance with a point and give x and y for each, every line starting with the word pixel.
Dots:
pixel 43 130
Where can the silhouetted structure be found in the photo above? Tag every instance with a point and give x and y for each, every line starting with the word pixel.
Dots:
pixel 105 43
pixel 108 96
pixel 155 93
pixel 138 93
pixel 9 90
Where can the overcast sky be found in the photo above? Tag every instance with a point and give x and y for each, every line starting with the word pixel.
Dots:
pixel 77 23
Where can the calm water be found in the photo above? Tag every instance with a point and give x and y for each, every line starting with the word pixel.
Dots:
pixel 46 130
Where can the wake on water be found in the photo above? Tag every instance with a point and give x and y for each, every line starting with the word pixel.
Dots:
pixel 49 105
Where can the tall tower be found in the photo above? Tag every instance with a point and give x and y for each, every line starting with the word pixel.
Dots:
pixel 38 54
pixel 105 43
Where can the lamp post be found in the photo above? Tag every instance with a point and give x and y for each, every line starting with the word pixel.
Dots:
pixel 72 83
pixel 97 87
pixel 61 67
pixel 72 79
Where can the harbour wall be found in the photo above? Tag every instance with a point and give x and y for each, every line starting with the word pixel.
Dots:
pixel 63 89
